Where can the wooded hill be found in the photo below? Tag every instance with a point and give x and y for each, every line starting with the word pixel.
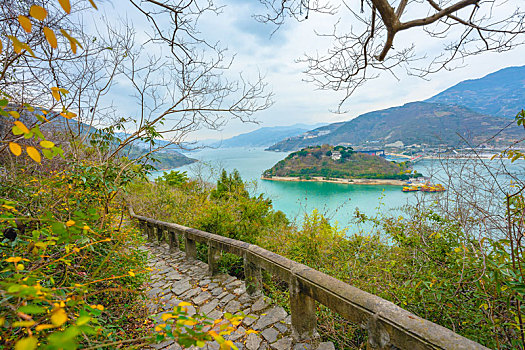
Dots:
pixel 500 94
pixel 338 162
pixel 471 111
pixel 413 123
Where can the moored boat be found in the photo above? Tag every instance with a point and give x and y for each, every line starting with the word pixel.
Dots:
pixel 427 187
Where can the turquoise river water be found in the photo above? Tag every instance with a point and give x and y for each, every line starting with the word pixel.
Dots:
pixel 336 201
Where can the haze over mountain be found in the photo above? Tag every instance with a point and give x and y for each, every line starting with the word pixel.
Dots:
pixel 265 136
pixel 449 118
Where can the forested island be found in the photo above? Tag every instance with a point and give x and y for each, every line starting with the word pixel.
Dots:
pixel 337 164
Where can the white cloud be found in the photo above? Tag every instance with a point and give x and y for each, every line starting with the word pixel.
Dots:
pixel 300 102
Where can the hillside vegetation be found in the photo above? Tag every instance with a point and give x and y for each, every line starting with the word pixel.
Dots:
pixel 322 161
pixel 419 259
pixel 413 123
pixel 499 94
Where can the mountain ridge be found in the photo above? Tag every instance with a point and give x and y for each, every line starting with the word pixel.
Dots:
pixel 469 120
pixel 413 123
pixel 500 93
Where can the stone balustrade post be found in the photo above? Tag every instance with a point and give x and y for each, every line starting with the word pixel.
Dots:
pixel 160 233
pixel 378 336
pixel 302 308
pixel 214 254
pixel 143 226
pixel 149 230
pixel 173 238
pixel 154 232
pixel 191 248
pixel 253 277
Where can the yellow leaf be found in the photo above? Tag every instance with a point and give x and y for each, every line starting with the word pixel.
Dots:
pixel 47 144
pixel 28 49
pixel 44 118
pixel 41 327
pixel 15 148
pixel 226 345
pixel 131 273
pixel 16 44
pixel 14 114
pixel 93 4
pixel 23 323
pixel 250 331
pixel 50 37
pixel 29 343
pixel 65 5
pixel 457 249
pixel 68 115
pixel 34 154
pixel 25 23
pixel 166 317
pixel 14 259
pixel 184 303
pixel 59 317
pixel 54 92
pixel 72 41
pixel 22 127
pixel 70 223
pixel 38 12
pixel 100 307
pixel 1 47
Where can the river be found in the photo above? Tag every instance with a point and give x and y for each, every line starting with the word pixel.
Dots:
pixel 338 202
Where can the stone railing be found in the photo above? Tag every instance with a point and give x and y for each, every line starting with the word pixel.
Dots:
pixel 388 325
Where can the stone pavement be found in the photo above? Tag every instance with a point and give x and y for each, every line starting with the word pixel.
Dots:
pixel 175 280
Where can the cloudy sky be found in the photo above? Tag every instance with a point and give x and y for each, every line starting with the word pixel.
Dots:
pixel 275 56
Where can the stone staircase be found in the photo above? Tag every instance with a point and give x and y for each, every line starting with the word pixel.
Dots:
pixel 175 279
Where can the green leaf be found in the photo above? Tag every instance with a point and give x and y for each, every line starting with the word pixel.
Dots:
pixel 47 153
pixel 17 131
pixel 32 309
pixel 83 320
pixel 58 228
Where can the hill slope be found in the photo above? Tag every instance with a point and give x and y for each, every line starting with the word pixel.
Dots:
pixel 336 162
pixel 413 123
pixel 501 93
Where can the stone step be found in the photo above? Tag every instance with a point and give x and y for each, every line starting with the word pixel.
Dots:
pixel 173 279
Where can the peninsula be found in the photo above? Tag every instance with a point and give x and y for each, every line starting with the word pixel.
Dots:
pixel 339 164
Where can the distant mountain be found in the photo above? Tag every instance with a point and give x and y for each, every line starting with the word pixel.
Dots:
pixel 265 136
pixel 472 108
pixel 166 159
pixel 501 93
pixel 262 137
pixel 414 123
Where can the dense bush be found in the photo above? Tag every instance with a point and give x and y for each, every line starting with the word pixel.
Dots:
pixel 422 261
pixel 70 271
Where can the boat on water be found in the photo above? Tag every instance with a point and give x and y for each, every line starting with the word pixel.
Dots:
pixel 410 188
pixel 427 187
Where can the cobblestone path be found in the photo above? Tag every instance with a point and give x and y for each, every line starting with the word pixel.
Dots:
pixel 175 280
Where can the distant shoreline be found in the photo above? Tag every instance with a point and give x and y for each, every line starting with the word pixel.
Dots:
pixel 390 182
